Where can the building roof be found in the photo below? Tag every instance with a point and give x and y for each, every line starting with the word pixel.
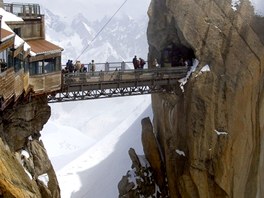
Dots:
pixel 42 46
pixel 5 35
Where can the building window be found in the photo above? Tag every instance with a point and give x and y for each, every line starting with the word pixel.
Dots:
pixel 18 62
pixel 43 66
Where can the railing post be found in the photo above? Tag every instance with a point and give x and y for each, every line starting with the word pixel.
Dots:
pixel 106 66
pixel 89 69
pixel 123 66
pixel 101 75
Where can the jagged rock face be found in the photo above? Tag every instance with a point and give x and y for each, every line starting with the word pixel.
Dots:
pixel 24 120
pixel 139 182
pixel 23 156
pixel 218 121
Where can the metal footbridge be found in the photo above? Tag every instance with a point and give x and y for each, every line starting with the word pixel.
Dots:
pixel 119 82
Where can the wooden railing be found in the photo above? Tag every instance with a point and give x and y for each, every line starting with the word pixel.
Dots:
pixel 7 84
pixel 45 83
pixel 12 86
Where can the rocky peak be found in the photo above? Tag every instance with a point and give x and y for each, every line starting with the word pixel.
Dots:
pixel 211 135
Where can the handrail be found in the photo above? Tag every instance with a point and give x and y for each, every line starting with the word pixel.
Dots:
pixel 110 66
pixel 71 79
pixel 23 9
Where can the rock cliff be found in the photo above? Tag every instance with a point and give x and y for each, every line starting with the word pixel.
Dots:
pixel 211 134
pixel 25 169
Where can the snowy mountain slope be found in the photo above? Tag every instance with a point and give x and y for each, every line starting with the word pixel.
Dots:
pixel 94 149
pixel 111 152
pixel 120 40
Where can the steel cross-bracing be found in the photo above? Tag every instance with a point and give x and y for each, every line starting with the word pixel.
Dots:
pixel 107 84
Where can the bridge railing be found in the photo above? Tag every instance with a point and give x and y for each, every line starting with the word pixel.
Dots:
pixel 110 66
pixel 71 79
pixel 23 10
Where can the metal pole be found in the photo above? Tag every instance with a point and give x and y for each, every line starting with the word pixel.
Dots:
pixel 1 28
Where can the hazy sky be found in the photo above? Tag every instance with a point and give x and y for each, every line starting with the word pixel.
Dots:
pixel 93 9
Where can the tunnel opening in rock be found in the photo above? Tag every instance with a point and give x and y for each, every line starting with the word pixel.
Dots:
pixel 176 55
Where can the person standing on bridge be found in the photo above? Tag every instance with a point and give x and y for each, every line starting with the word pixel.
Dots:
pixel 93 67
pixel 71 66
pixel 141 63
pixel 135 62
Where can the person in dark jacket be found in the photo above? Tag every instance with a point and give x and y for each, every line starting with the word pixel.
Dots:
pixel 141 63
pixel 135 62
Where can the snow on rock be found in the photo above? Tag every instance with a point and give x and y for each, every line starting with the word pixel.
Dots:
pixel 25 154
pixel 44 178
pixel 220 132
pixel 29 175
pixel 205 68
pixel 179 152
pixel 184 80
pixel 235 4
pixel 133 178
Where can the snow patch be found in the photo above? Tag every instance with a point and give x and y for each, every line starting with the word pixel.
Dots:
pixel 235 4
pixel 44 178
pixel 25 154
pixel 132 178
pixel 205 68
pixel 32 53
pixel 30 138
pixel 29 175
pixel 184 80
pixel 179 152
pixel 18 42
pixel 26 47
pixel 220 132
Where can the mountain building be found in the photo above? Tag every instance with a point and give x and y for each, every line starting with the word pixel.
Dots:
pixel 29 63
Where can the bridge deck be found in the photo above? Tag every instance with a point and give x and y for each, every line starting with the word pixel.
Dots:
pixel 84 86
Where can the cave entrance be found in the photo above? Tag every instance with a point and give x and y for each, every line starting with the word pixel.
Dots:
pixel 177 55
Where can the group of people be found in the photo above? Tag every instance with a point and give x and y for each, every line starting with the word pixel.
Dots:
pixel 78 67
pixel 138 63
